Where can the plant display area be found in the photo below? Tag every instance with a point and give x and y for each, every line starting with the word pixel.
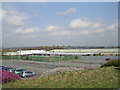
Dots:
pixel 106 77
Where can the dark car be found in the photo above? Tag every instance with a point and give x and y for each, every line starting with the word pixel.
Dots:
pixel 5 67
pixel 107 59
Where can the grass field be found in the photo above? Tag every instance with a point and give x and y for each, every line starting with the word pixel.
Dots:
pixel 106 77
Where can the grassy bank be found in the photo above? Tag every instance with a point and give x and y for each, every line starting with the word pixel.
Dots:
pixel 106 77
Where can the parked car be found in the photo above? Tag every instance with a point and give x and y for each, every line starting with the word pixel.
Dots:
pixel 27 74
pixel 10 69
pixel 18 70
pixel 6 68
pixel 108 59
pixel 0 67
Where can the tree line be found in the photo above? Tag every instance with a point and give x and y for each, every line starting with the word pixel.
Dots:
pixel 47 48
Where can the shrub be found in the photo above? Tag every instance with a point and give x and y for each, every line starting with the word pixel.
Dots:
pixel 76 57
pixel 115 63
pixel 6 76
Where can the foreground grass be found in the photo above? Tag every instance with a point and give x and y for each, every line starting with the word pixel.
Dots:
pixel 106 77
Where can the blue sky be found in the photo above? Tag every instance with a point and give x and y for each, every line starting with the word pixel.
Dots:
pixel 60 23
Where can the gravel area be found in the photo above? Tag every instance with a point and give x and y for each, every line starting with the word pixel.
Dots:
pixel 61 69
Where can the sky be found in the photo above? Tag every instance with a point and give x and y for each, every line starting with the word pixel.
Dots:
pixel 29 24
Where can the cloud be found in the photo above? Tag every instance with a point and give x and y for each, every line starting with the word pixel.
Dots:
pixel 85 32
pixel 80 23
pixel 30 36
pixel 112 27
pixel 51 28
pixel 13 17
pixel 62 33
pixel 100 30
pixel 94 29
pixel 27 30
pixel 68 11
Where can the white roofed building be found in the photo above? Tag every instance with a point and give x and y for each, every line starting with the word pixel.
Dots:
pixel 25 52
pixel 28 52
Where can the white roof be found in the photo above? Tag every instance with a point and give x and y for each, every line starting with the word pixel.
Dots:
pixel 24 52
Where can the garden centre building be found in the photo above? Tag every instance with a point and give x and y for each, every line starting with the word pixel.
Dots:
pixel 65 52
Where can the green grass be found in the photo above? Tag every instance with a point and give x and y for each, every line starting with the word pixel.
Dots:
pixel 106 77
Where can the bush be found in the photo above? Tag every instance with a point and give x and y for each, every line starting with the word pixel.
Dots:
pixel 76 57
pixel 115 63
pixel 6 76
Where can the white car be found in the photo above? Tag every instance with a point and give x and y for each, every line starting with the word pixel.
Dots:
pixel 27 74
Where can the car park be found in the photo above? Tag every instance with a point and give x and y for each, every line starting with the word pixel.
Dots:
pixel 18 71
pixel 26 73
